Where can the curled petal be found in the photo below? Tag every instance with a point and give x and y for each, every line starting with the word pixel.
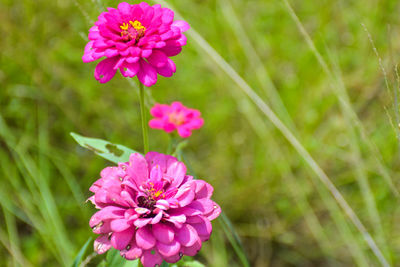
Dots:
pixel 105 69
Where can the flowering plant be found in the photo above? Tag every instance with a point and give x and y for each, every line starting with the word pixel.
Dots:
pixel 149 207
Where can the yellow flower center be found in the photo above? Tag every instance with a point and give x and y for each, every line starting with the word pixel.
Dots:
pixel 132 30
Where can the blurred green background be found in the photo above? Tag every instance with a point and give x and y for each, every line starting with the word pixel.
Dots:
pixel 331 91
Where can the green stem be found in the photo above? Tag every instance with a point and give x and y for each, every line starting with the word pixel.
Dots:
pixel 144 120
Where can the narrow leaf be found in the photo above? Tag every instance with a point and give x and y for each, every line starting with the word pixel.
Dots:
pixel 79 257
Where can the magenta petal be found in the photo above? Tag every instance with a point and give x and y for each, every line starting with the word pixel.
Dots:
pixel 151 258
pixel 203 189
pixel 138 169
pixel 168 250
pixel 147 74
pixel 102 244
pixel 156 124
pixel 105 69
pixel 184 132
pixel 119 225
pixel 145 238
pixel 142 222
pixel 192 250
pixel 163 233
pixel 120 240
pixel 158 59
pixel 203 229
pixel 168 69
pixel 178 171
pixel 174 258
pixel 110 212
pixel 215 212
pixel 183 25
pixel 187 235
pixel 158 218
pixel 156 173
pixel 132 251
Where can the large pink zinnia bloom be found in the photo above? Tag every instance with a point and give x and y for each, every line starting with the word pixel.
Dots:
pixel 136 39
pixel 151 209
pixel 175 117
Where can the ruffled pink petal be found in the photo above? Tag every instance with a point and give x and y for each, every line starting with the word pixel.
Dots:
pixel 102 244
pixel 156 124
pixel 158 59
pixel 184 131
pixel 168 250
pixel 120 240
pixel 105 69
pixel 147 74
pixel 151 258
pixel 192 250
pixel 183 25
pixel 131 251
pixel 168 69
pixel 203 189
pixel 137 170
pixel 119 225
pixel 178 171
pixel 145 238
pixel 163 233
pixel 187 235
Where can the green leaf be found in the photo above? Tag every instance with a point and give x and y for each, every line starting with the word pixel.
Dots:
pixel 193 264
pixel 164 264
pixel 112 152
pixel 114 259
pixel 79 257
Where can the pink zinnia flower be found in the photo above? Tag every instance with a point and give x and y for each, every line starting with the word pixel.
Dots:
pixel 175 117
pixel 151 209
pixel 136 39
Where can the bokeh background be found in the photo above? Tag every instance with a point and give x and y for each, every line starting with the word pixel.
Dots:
pixel 326 68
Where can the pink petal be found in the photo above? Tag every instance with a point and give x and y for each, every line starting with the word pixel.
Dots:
pixel 183 25
pixel 151 258
pixel 120 240
pixel 147 74
pixel 158 59
pixel 168 69
pixel 193 250
pixel 178 171
pixel 137 169
pixel 215 212
pixel 156 124
pixel 184 131
pixel 145 238
pixel 158 218
pixel 140 222
pixel 187 235
pixel 119 225
pixel 156 173
pixel 105 69
pixel 132 251
pixel 102 244
pixel 168 250
pixel 203 229
pixel 203 189
pixel 163 233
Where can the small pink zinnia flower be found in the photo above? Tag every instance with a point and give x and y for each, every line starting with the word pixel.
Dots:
pixel 136 39
pixel 175 117
pixel 152 210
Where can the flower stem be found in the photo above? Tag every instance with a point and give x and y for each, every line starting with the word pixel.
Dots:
pixel 144 120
